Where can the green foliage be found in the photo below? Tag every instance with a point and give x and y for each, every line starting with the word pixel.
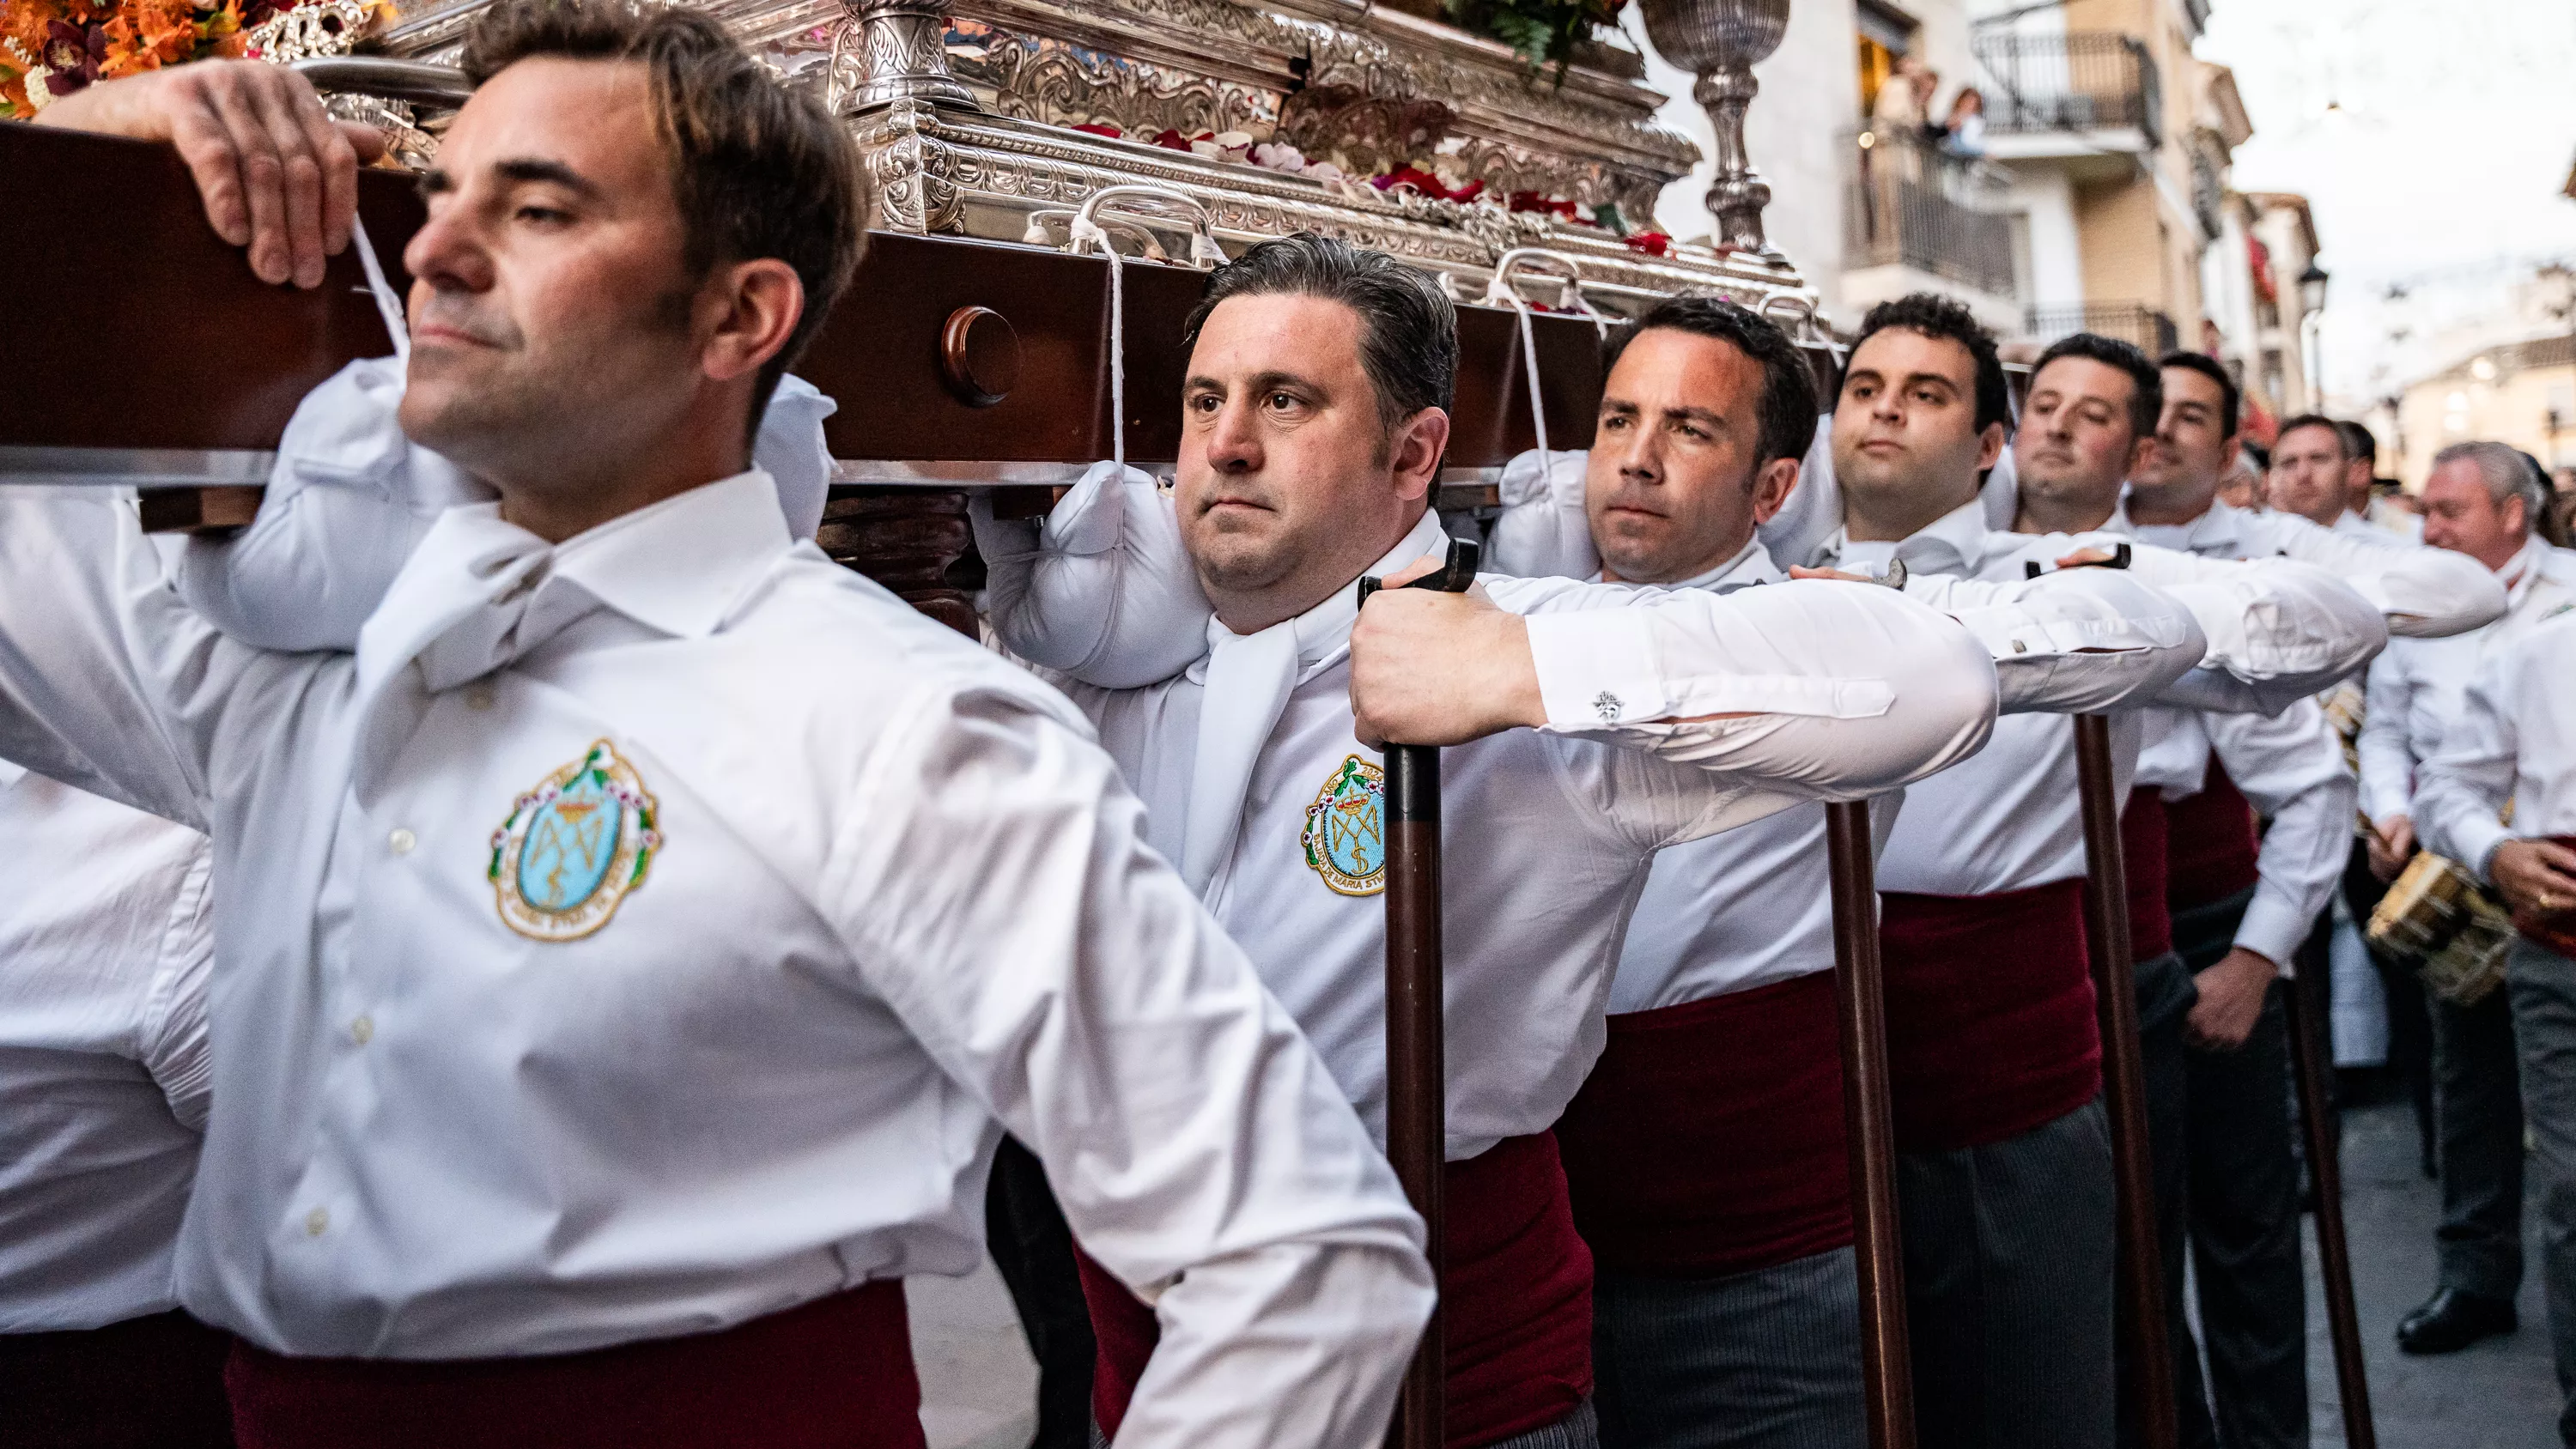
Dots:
pixel 1542 32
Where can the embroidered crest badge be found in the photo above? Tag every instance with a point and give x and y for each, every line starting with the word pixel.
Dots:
pixel 573 847
pixel 1345 834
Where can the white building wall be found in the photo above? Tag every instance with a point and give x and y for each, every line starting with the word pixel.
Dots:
pixel 1795 131
pixel 2045 198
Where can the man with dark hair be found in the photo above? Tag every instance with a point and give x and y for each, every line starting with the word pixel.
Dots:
pixel 2480 500
pixel 2004 1173
pixel 650 929
pixel 2210 1034
pixel 1591 727
pixel 2310 457
pixel 2361 464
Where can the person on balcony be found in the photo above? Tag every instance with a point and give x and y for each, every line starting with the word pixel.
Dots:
pixel 1964 135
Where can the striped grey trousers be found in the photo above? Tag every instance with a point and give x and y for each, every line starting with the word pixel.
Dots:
pixel 1768 1359
pixel 2009 1253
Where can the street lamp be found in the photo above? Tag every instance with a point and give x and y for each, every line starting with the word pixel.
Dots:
pixel 2312 303
pixel 2312 288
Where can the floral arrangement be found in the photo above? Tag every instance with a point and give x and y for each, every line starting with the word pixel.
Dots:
pixel 51 48
pixel 1542 32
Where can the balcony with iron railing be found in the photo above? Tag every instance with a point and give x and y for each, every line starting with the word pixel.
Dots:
pixel 2097 86
pixel 2129 321
pixel 1915 206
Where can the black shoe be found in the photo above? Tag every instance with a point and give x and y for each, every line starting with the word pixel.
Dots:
pixel 2451 1320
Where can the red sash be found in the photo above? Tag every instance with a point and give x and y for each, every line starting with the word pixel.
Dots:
pixel 1990 1025
pixel 830 1374
pixel 1516 1305
pixel 1709 1138
pixel 2210 843
pixel 2553 932
pixel 2142 849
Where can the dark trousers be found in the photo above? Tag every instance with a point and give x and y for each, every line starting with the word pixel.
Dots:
pixel 2009 1252
pixel 2477 1104
pixel 1033 1251
pixel 2542 987
pixel 2227 1184
pixel 1766 1359
pixel 147 1383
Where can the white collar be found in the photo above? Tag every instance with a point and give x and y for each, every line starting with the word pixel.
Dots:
pixel 1956 543
pixel 1751 565
pixel 1325 630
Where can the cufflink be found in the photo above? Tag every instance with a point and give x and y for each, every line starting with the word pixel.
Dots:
pixel 1606 705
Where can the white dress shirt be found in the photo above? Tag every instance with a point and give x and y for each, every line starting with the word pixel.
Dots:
pixel 2424 593
pixel 104 940
pixel 1743 908
pixel 1841 691
pixel 648 931
pixel 2289 767
pixel 2010 819
pixel 2514 739
pixel 2416 687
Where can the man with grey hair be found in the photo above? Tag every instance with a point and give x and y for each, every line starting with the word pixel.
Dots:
pixel 2480 500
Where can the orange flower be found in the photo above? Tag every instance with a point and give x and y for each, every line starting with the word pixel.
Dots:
pixel 147 36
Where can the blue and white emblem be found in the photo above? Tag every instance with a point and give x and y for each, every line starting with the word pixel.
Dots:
pixel 1345 834
pixel 573 847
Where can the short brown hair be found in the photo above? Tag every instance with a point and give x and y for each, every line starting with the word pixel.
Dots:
pixel 756 169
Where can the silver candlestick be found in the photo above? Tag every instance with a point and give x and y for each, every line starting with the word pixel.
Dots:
pixel 890 50
pixel 1720 41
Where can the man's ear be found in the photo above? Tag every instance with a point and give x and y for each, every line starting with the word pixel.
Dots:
pixel 1772 484
pixel 2139 452
pixel 1414 455
pixel 1990 446
pixel 746 313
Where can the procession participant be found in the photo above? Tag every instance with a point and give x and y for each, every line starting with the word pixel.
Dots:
pixel 2361 496
pixel 1591 726
pixel 2214 1047
pixel 654 917
pixel 2312 460
pixel 2004 1175
pixel 1705 1155
pixel 2511 744
pixel 104 940
pixel 2480 505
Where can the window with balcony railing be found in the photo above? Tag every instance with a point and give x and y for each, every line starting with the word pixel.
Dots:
pixel 2081 82
pixel 1912 204
pixel 2132 322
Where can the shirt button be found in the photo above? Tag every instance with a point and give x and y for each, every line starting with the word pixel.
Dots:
pixel 2020 648
pixel 362 1030
pixel 317 1222
pixel 402 841
pixel 478 697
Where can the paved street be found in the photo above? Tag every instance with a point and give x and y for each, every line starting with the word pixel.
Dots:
pixel 2500 1394
pixel 977 1380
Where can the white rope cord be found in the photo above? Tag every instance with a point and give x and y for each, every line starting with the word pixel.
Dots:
pixel 1085 229
pixel 1501 290
pixel 388 306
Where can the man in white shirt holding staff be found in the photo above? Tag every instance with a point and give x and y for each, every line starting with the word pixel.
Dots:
pixel 654 918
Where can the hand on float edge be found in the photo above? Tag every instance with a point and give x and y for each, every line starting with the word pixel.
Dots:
pixel 2535 875
pixel 1431 668
pixel 277 174
pixel 2231 1001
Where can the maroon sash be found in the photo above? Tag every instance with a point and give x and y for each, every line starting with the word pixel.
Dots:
pixel 1517 1306
pixel 2210 845
pixel 2142 849
pixel 1709 1138
pixel 2555 931
pixel 829 1374
pixel 1990 1026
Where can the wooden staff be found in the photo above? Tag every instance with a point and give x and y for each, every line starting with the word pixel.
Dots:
pixel 1416 1082
pixel 2300 1005
pixel 2124 1086
pixel 1869 1130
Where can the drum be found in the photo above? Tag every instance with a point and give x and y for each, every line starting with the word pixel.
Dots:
pixel 2446 927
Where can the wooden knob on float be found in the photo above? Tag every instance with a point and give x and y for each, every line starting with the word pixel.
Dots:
pixel 979 355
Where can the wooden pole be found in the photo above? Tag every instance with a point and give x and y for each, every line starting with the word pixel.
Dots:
pixel 1869 1127
pixel 1416 1079
pixel 2124 1088
pixel 2304 1018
